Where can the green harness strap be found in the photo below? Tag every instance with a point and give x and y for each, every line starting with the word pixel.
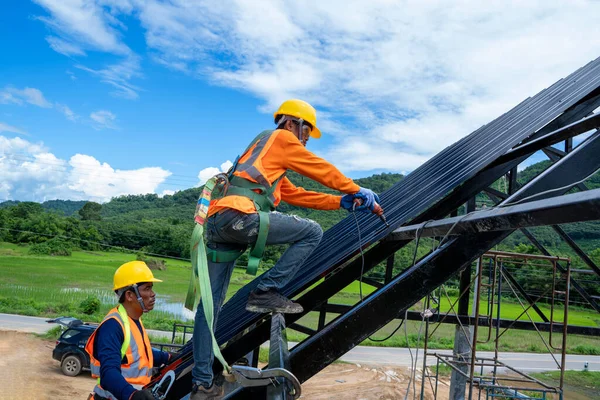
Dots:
pixel 200 287
pixel 242 187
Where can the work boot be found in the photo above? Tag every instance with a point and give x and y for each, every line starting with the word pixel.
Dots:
pixel 199 392
pixel 261 301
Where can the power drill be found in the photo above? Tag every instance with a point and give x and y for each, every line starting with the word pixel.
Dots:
pixel 377 209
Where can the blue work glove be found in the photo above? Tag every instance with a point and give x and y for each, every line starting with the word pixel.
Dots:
pixel 347 202
pixel 370 197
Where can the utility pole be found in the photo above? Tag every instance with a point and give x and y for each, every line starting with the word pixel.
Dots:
pixel 462 337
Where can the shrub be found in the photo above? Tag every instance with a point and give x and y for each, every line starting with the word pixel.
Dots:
pixel 90 305
pixel 155 264
pixel 52 247
pixel 587 350
pixel 152 263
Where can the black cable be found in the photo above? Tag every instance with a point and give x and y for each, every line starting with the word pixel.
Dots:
pixel 390 335
pixel 362 254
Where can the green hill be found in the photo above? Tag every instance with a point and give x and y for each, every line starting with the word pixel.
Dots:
pixel 66 207
pixel 162 225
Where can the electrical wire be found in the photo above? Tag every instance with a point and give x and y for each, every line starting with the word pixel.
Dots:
pixel 362 253
pixel 566 187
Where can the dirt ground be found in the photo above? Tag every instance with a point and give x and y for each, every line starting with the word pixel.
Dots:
pixel 38 376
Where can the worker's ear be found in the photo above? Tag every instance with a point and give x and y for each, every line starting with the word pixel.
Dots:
pixel 288 125
pixel 130 296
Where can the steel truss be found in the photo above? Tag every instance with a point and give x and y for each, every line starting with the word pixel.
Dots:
pixel 384 305
pixel 432 192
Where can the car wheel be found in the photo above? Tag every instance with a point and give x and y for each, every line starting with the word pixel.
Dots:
pixel 71 365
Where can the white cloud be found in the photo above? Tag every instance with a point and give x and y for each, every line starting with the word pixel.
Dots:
pixel 103 119
pixel 64 47
pixel 26 95
pixel 207 173
pixel 405 76
pixel 68 113
pixel 93 25
pixel 118 76
pixel 12 95
pixel 8 128
pixel 167 192
pixel 416 75
pixel 28 171
pixel 84 22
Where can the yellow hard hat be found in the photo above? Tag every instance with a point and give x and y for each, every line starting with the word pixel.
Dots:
pixel 131 273
pixel 300 109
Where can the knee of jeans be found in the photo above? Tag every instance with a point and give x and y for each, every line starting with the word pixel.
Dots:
pixel 316 232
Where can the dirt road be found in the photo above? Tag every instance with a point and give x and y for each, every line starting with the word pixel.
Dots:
pixel 29 372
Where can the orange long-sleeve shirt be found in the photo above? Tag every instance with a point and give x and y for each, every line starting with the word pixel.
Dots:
pixel 285 152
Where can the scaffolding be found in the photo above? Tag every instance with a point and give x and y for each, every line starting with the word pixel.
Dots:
pixel 489 376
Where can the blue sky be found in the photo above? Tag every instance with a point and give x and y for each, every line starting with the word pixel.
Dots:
pixel 100 98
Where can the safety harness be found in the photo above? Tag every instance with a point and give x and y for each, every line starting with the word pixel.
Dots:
pixel 260 192
pixel 219 186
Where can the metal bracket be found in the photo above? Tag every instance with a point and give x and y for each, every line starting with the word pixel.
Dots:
pixel 157 391
pixel 250 377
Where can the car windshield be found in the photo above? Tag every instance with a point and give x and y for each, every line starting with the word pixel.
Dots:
pixel 69 333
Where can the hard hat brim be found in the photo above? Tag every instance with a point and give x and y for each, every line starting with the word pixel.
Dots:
pixel 315 132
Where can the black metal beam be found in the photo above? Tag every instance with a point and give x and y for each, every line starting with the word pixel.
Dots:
pixel 496 193
pixel 568 145
pixel 565 236
pixel 553 154
pixel 483 321
pixel 575 284
pixel 372 282
pixel 508 275
pixel 377 310
pixel 279 357
pixel 464 286
pixel 316 296
pixel 389 269
pixel 496 169
pixel 513 185
pixel 567 132
pixel 379 252
pixel 305 329
pixel 582 206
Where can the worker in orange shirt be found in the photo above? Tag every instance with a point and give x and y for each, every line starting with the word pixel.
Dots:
pixel 237 220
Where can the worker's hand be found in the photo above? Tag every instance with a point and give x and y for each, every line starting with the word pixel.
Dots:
pixel 347 202
pixel 370 197
pixel 172 356
pixel 142 395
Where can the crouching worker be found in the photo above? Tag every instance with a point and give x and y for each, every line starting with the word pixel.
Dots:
pixel 245 216
pixel 119 349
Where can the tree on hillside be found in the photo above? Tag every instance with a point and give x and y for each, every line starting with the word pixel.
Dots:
pixel 27 209
pixel 91 211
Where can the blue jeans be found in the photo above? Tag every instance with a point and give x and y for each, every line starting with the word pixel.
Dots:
pixel 232 230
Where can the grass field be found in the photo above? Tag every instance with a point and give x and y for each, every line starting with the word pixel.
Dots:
pixel 584 383
pixel 54 286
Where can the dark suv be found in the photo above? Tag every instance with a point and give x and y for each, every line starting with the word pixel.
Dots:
pixel 70 346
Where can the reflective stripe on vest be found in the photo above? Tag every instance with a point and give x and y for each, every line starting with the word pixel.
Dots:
pixel 137 370
pixel 249 168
